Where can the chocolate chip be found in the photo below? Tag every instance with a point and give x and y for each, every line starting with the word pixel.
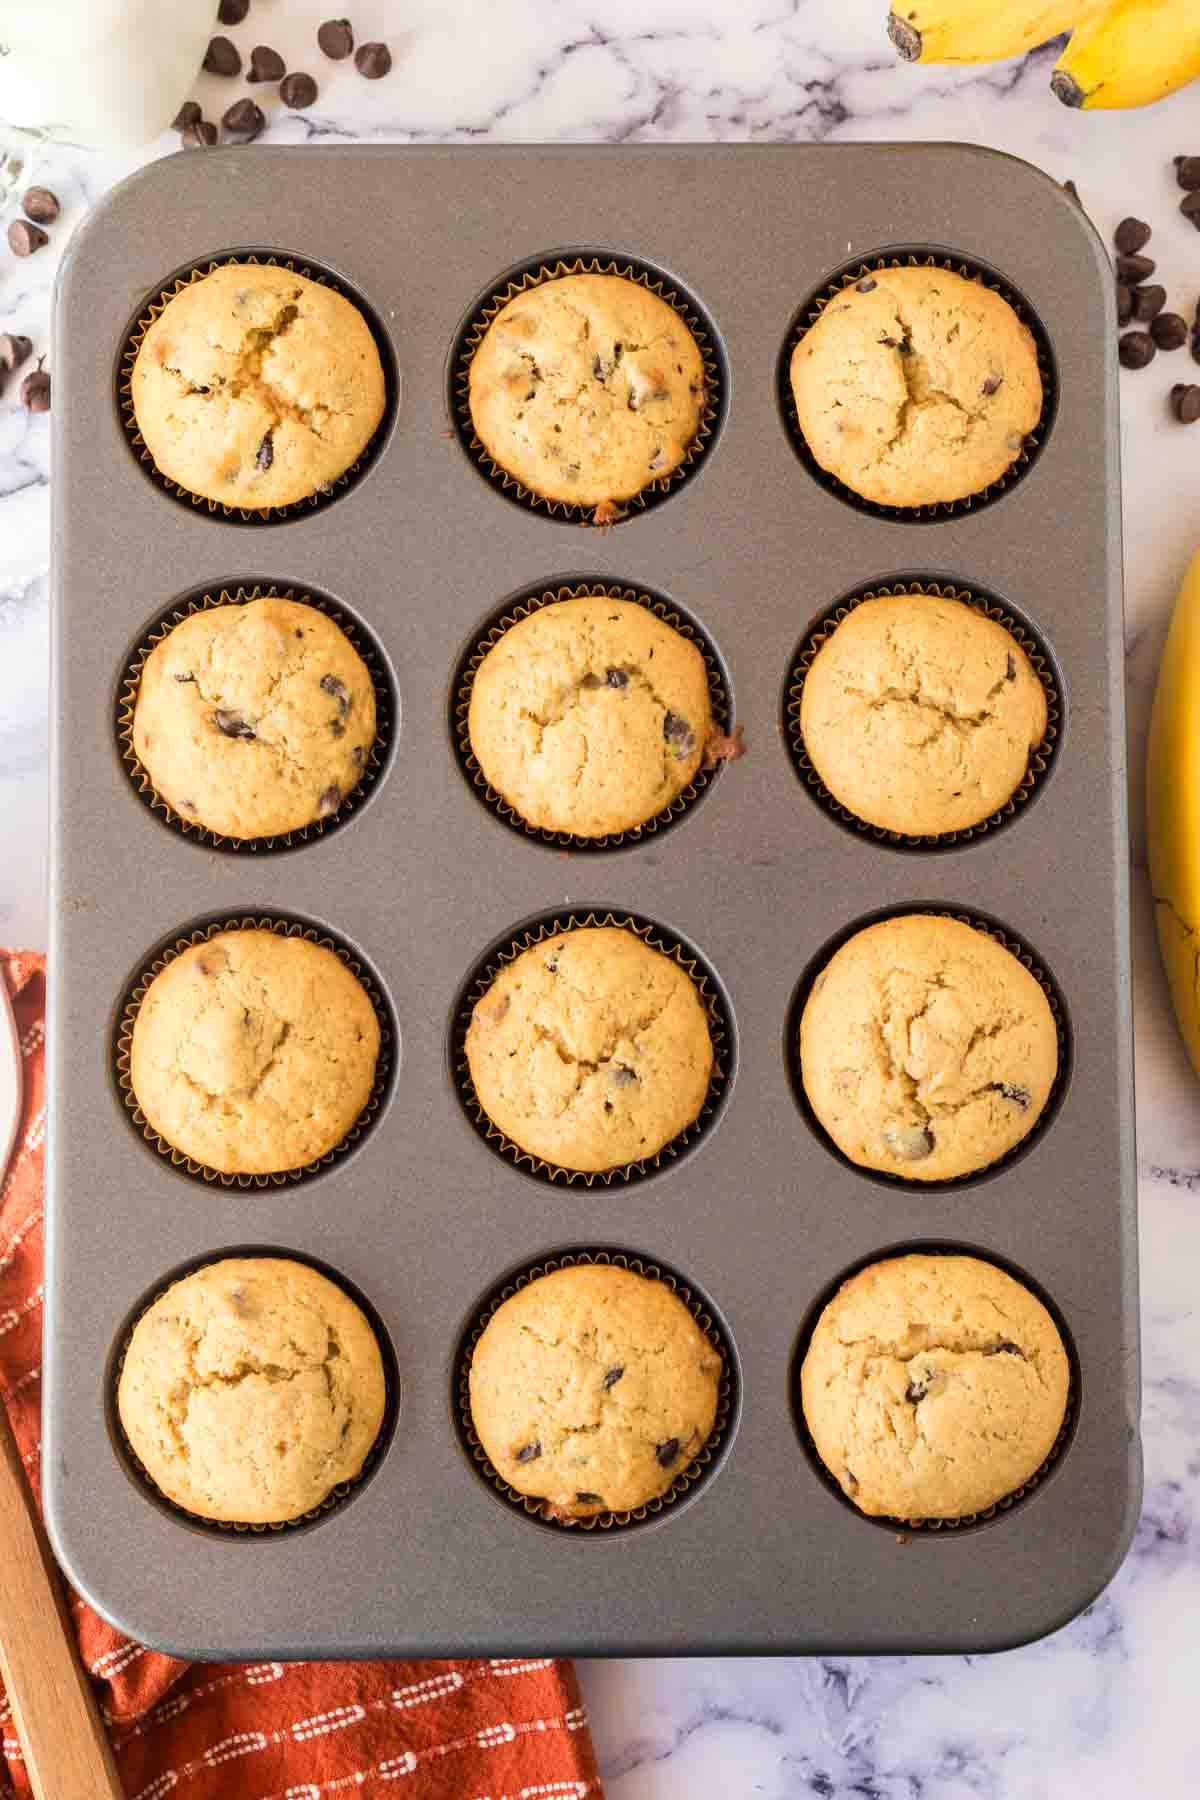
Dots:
pixel 616 678
pixel 189 676
pixel 1019 1096
pixel 530 1453
pixel 992 384
pixel 13 350
pixel 188 114
pixel 336 38
pixel 1136 349
pixel 1006 1348
pixel 232 12
pixel 1135 268
pixel 911 1143
pixel 24 238
pixel 330 684
pixel 915 1392
pixel 201 136
pixel 867 285
pixel 612 1376
pixel 1185 403
pixel 623 1077
pixel 372 60
pixel 266 453
pixel 265 64
pixel 330 800
pixel 35 392
pixel 666 1452
pixel 233 725
pixel 552 966
pixel 1169 331
pixel 1148 302
pixel 40 205
pixel 1010 668
pixel 1124 303
pixel 583 1498
pixel 1187 172
pixel 678 733
pixel 243 121
pixel 222 57
pixel 1189 206
pixel 1130 235
pixel 298 91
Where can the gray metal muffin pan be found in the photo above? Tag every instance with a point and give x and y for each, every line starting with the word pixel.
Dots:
pixel 761 1217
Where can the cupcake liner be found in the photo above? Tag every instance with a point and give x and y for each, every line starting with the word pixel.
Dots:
pixel 338 1496
pixel 1040 760
pixel 540 1511
pixel 522 608
pixel 719 1025
pixel 285 927
pixel 1025 956
pixel 532 274
pixel 919 257
pixel 145 317
pixel 127 695
pixel 965 1522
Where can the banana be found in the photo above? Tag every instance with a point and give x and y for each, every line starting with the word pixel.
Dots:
pixel 948 31
pixel 1130 54
pixel 1173 809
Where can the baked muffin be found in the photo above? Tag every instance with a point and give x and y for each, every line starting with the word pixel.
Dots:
pixel 933 1386
pixel 256 387
pixel 253 1052
pixel 251 1389
pixel 916 386
pixel 926 1049
pixel 920 714
pixel 590 715
pixel 256 719
pixel 587 388
pixel 593 1389
pixel 591 1050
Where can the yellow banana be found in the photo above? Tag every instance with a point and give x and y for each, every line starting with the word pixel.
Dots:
pixel 1173 809
pixel 947 31
pixel 1131 53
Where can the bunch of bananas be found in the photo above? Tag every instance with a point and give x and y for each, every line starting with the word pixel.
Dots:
pixel 1121 52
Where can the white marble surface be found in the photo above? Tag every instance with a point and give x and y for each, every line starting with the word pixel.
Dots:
pixel 1111 1701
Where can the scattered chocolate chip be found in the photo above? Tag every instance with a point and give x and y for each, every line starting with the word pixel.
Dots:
pixel 915 1391
pixel 1148 302
pixel 336 38
pixel 232 724
pixel 265 64
pixel 1136 349
pixel 867 285
pixel 725 746
pixel 1185 403
pixel 13 350
pixel 612 1376
pixel 1187 172
pixel 232 12
pixel 330 684
pixel 552 966
pixel 222 57
pixel 1019 1096
pixel 616 678
pixel 372 60
pixel 266 453
pixel 188 114
pixel 1124 303
pixel 24 238
pixel 1130 236
pixel 1189 206
pixel 623 1077
pixel 1135 268
pixel 200 136
pixel 678 733
pixel 35 391
pixel 243 121
pixel 911 1143
pixel 530 1453
pixel 666 1452
pixel 330 800
pixel 1169 331
pixel 298 91
pixel 1006 1348
pixel 188 676
pixel 583 1498
pixel 992 384
pixel 40 205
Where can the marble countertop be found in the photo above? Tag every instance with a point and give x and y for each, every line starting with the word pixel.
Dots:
pixel 1110 1702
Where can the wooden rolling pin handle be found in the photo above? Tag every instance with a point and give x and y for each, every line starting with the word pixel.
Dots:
pixel 67 1755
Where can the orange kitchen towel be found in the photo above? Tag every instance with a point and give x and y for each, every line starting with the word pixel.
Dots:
pixel 506 1729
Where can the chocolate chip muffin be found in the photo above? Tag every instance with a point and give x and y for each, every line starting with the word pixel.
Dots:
pixel 590 715
pixel 916 386
pixel 255 387
pixel 926 1049
pixel 254 1053
pixel 593 1388
pixel 591 1050
pixel 587 388
pixel 251 1389
pixel 920 714
pixel 255 719
pixel 934 1386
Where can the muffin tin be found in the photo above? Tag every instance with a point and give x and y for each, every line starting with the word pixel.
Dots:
pixel 425 1216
